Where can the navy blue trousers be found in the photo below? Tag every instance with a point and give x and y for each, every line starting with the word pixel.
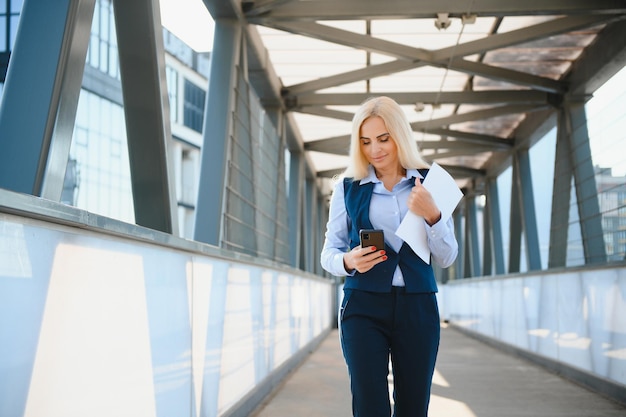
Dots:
pixel 375 327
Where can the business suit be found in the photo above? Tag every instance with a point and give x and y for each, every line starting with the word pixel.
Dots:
pixel 389 308
pixel 379 321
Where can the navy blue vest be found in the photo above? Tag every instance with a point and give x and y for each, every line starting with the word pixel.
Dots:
pixel 418 275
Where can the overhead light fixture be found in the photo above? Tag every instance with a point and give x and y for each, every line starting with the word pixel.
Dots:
pixel 419 107
pixel 443 21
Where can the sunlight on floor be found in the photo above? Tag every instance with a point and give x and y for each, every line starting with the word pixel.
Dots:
pixel 438 379
pixel 444 407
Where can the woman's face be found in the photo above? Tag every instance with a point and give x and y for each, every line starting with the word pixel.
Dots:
pixel 377 146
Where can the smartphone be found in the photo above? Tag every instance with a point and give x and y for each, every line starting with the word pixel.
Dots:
pixel 372 237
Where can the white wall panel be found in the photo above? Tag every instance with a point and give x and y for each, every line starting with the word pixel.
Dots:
pixel 576 317
pixel 98 325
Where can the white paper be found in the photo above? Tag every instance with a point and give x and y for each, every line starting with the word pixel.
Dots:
pixel 444 190
pixel 446 195
pixel 413 232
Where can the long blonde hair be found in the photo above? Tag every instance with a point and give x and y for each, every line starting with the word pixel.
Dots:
pixel 398 128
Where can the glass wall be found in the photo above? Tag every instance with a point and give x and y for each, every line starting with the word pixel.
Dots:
pixel 542 168
pixel 9 17
pixel 102 53
pixel 98 172
pixel 606 118
pixel 606 124
pixel 101 153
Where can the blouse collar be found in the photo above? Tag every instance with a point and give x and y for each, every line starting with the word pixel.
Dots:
pixel 371 175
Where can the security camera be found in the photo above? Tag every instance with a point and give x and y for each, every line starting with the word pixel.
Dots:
pixel 442 21
pixel 468 19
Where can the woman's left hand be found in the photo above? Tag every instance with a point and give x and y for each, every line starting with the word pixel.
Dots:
pixel 421 203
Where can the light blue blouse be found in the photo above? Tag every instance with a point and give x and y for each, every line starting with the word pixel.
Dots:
pixel 387 209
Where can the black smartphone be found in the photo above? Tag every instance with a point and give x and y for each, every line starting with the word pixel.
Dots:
pixel 372 237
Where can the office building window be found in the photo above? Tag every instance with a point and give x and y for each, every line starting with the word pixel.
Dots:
pixel 194 106
pixel 188 175
pixel 9 17
pixel 171 75
pixel 102 53
pixel 99 158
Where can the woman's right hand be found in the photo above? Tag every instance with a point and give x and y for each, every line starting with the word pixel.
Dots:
pixel 363 259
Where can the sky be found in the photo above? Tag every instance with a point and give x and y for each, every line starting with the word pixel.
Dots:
pixel 190 21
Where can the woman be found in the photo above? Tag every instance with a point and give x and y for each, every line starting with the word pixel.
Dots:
pixel 389 308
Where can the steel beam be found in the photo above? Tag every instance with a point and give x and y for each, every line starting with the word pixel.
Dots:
pixel 40 97
pixel 601 61
pixel 519 36
pixel 529 215
pixel 459 263
pixel 394 9
pixel 487 242
pixel 473 142
pixel 515 222
pixel 472 255
pixel 295 206
pixel 355 40
pixel 473 138
pixel 428 97
pixel 338 145
pixel 326 112
pixel 585 185
pixel 495 225
pixel 309 225
pixel 146 110
pixel 442 57
pixel 473 115
pixel 561 194
pixel 217 130
pixel 366 73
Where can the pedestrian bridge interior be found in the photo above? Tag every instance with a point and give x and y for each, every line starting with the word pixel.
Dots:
pixel 203 314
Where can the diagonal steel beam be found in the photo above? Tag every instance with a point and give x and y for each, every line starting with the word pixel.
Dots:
pixel 455 171
pixel 523 35
pixel 330 173
pixel 393 9
pixel 474 115
pixel 463 172
pixel 429 97
pixel 442 58
pixel 352 76
pixel 354 40
pixel 474 138
pixel 462 148
pixel 507 75
pixel 262 7
pixel 326 112
pixel 338 145
pixel 454 153
pixel 146 110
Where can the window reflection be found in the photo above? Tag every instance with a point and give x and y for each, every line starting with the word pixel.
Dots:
pixel 98 164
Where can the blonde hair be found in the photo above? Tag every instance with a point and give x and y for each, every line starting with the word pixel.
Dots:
pixel 399 129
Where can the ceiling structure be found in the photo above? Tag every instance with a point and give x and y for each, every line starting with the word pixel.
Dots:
pixel 475 77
